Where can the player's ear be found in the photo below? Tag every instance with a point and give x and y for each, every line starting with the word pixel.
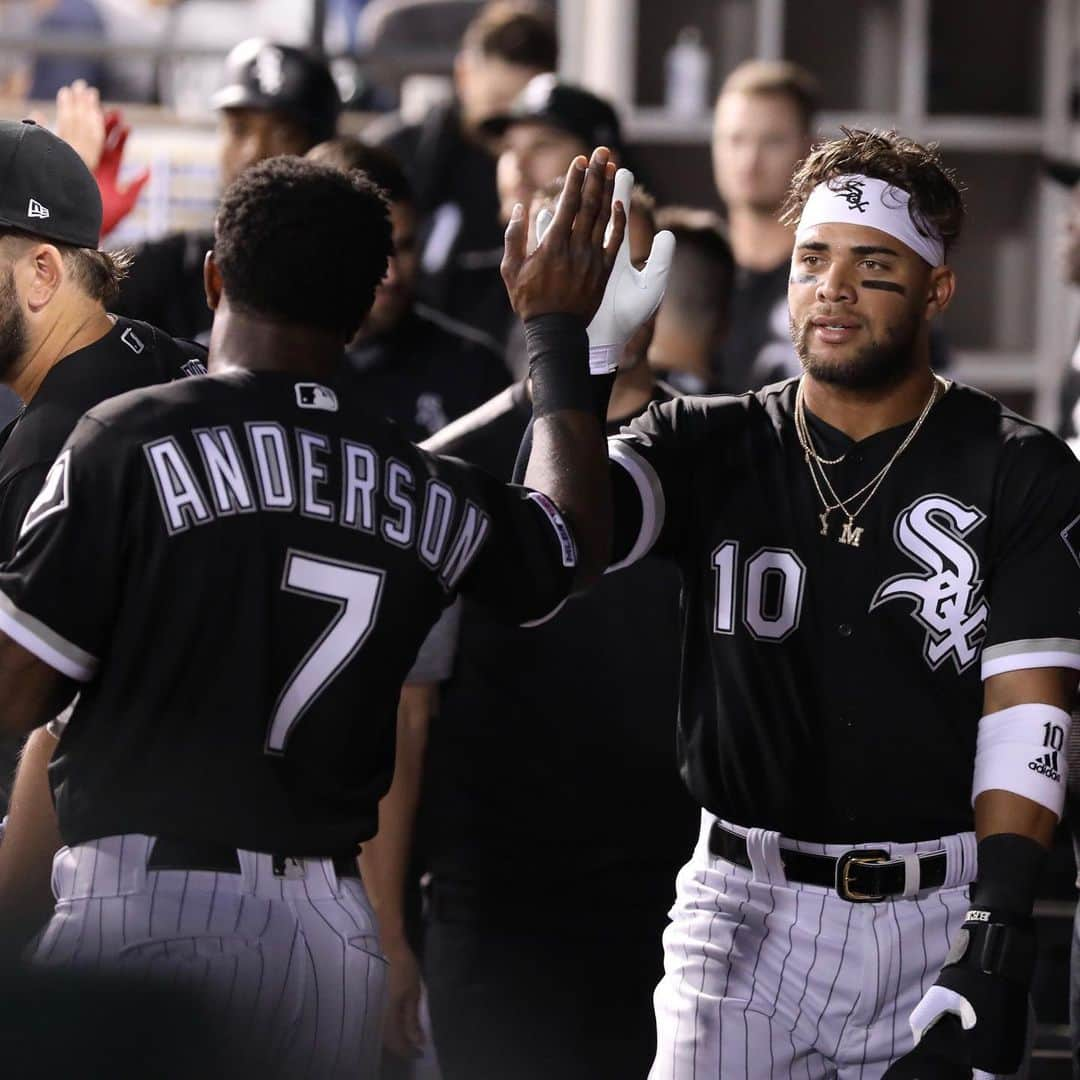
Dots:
pixel 940 289
pixel 211 281
pixel 40 271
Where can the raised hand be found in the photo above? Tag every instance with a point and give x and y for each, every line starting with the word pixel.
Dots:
pixel 568 271
pixel 632 295
pixel 116 201
pixel 80 121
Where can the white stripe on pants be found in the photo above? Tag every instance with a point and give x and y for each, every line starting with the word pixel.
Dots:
pixel 770 978
pixel 293 966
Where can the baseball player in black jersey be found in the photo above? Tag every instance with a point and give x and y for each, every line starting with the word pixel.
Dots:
pixel 63 353
pixel 527 874
pixel 880 643
pixel 212 792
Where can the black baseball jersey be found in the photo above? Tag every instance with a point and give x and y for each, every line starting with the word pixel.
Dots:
pixel 430 369
pixel 833 691
pixel 544 731
pixel 240 569
pixel 131 355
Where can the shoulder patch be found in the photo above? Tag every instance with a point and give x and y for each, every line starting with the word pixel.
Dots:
pixel 53 496
pixel 1071 535
pixel 132 341
pixel 311 395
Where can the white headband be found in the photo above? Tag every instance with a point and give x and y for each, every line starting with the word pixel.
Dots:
pixel 864 200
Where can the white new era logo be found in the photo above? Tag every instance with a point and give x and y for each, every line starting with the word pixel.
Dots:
pixel 35 209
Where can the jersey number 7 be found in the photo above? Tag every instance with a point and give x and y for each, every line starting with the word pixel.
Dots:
pixel 356 592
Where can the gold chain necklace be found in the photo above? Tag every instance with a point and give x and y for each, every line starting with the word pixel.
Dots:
pixel 849 534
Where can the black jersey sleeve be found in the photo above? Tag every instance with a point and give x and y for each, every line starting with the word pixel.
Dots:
pixel 652 476
pixel 16 497
pixel 1034 587
pixel 58 593
pixel 521 555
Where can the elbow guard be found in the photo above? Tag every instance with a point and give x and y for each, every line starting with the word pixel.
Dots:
pixel 1022 750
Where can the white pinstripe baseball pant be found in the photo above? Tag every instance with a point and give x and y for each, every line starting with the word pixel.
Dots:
pixel 768 978
pixel 292 965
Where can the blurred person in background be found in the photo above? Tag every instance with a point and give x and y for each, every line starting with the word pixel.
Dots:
pixel 693 318
pixel 762 127
pixel 276 99
pixel 520 782
pixel 420 367
pixel 546 125
pixel 1067 173
pixel 451 163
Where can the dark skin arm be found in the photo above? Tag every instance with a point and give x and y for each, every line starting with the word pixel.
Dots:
pixel 31 692
pixel 567 273
pixel 26 853
pixel 999 811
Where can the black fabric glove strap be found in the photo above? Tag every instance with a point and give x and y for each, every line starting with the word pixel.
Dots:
pixel 1009 869
pixel 558 351
pixel 995 943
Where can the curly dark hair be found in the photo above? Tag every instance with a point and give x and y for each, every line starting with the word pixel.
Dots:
pixel 300 242
pixel 936 194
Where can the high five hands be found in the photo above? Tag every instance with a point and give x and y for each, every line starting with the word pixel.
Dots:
pixel 581 263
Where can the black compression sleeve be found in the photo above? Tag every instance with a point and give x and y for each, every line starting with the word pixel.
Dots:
pixel 558 350
pixel 1009 868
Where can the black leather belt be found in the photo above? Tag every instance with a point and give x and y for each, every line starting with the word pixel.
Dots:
pixel 861 876
pixel 173 853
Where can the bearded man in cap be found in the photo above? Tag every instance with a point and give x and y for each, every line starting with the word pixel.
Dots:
pixel 61 352
pixel 275 99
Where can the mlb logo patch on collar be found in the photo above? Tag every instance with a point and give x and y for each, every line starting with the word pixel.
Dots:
pixel 311 395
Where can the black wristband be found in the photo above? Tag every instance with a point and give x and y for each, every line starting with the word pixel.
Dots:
pixel 995 943
pixel 1009 869
pixel 558 351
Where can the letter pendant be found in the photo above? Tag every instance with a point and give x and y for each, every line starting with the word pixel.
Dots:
pixel 824 519
pixel 850 535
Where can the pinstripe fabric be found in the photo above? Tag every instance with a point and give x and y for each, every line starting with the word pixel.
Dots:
pixel 766 978
pixel 294 965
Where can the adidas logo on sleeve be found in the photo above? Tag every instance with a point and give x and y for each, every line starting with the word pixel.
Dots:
pixel 1047 766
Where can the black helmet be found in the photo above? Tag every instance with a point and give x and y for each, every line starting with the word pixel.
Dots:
pixel 261 74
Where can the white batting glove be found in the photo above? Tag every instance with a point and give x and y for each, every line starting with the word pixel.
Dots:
pixel 632 295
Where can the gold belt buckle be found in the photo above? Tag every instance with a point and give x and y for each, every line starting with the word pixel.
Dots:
pixel 858 857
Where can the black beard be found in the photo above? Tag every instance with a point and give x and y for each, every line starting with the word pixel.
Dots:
pixel 876 366
pixel 12 327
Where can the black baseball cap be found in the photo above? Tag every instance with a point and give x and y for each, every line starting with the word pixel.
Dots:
pixel 261 74
pixel 1064 172
pixel 46 189
pixel 573 109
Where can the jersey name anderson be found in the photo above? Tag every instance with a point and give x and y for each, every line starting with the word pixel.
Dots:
pixel 251 470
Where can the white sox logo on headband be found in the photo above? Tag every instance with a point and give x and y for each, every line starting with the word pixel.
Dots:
pixel 865 200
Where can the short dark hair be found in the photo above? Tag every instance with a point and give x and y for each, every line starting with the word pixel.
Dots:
pixel 301 242
pixel 379 165
pixel 936 197
pixel 703 268
pixel 517 32
pixel 780 78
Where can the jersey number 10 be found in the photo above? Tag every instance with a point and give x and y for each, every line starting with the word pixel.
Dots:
pixel 356 591
pixel 772 591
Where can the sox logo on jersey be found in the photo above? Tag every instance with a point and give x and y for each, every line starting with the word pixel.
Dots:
pixel 948 597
